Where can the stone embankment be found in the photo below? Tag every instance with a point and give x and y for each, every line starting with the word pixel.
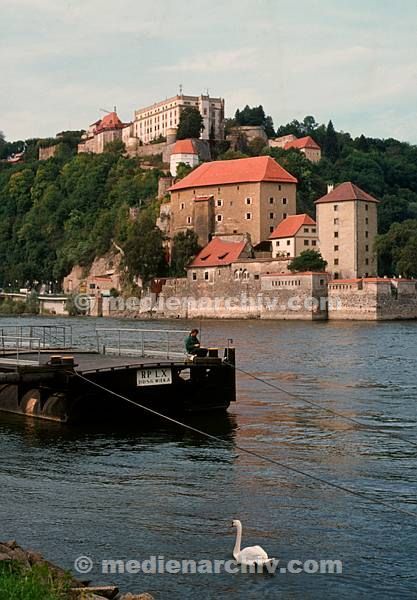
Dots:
pixel 79 590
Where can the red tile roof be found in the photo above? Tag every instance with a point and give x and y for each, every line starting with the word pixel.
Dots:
pixel 290 226
pixel 241 170
pixel 304 142
pixel 346 191
pixel 184 147
pixel 110 121
pixel 218 253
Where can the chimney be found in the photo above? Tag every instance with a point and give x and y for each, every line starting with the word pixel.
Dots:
pixel 330 187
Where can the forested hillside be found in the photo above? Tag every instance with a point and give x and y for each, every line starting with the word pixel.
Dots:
pixel 68 209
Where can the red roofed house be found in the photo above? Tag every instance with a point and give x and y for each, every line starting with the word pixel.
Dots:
pixel 228 197
pixel 347 224
pixel 306 145
pixel 184 151
pixel 293 235
pixel 102 132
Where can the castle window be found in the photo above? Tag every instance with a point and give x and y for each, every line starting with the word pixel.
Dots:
pixel 248 216
pixel 277 243
pixel 306 230
pixel 336 221
pixel 194 276
pixel 306 243
pixel 288 242
pixel 335 207
pixel 367 248
pixel 271 229
pixel 366 221
pixel 313 230
pixel 366 261
pixel 336 261
pixel 366 234
pixel 284 201
pixel 271 215
pixel 206 275
pixel 336 234
pixel 336 248
pixel 219 202
pixel 182 206
pixel 248 200
pixel 189 220
pixel 256 276
pixel 366 207
pixel 219 218
pixel 279 187
pixel 314 243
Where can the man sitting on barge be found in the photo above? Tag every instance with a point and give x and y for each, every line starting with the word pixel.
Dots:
pixel 192 344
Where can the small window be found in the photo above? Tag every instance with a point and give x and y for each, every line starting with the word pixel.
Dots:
pixel 218 190
pixel 206 275
pixel 366 234
pixel 284 201
pixel 271 201
pixel 306 243
pixel 271 215
pixel 366 248
pixel 182 206
pixel 336 234
pixel 336 261
pixel 248 200
pixel 256 276
pixel 189 220
pixel 248 216
pixel 284 216
pixel 277 243
pixel 288 242
pixel 271 229
pixel 313 230
pixel 366 207
pixel 219 218
pixel 335 207
pixel 219 202
pixel 366 221
pixel 366 261
pixel 279 187
pixel 336 275
pixel 306 230
pixel 336 248
pixel 336 221
pixel 313 242
pixel 194 276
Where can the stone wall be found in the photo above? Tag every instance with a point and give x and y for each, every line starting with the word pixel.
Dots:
pixel 45 153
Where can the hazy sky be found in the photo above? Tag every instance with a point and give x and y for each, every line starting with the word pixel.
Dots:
pixel 354 61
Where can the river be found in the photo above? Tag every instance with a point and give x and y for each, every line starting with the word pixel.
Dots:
pixel 134 492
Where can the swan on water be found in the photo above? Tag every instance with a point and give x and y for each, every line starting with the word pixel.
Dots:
pixel 252 555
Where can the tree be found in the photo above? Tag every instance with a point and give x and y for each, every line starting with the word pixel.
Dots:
pixel 2 144
pixel 115 147
pixel 397 249
pixel 331 145
pixel 255 116
pixel 309 260
pixel 190 124
pixel 183 169
pixel 144 253
pixel 185 247
pixel 256 146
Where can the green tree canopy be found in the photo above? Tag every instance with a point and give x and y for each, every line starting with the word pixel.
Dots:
pixel 397 249
pixel 185 247
pixel 255 116
pixel 190 123
pixel 309 260
pixel 144 252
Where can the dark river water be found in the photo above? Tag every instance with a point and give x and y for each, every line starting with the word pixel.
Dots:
pixel 140 491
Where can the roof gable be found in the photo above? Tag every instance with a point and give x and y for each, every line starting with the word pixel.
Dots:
pixel 241 170
pixel 184 147
pixel 290 226
pixel 304 142
pixel 218 253
pixel 346 191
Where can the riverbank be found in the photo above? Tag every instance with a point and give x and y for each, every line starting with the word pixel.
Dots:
pixel 26 575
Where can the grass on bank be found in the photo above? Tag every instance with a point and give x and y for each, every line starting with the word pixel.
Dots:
pixel 36 583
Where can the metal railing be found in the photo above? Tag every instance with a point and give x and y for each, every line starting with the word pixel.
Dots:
pixel 12 348
pixel 50 336
pixel 166 343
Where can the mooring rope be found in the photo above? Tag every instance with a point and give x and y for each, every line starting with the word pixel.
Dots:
pixel 329 410
pixel 252 452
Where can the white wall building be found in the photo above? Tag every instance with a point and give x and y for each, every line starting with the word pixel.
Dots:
pixel 185 152
pixel 153 121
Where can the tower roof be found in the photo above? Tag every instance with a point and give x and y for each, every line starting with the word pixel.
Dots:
pixel 290 226
pixel 345 192
pixel 304 142
pixel 184 147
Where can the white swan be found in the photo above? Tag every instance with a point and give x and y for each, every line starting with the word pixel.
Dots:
pixel 252 555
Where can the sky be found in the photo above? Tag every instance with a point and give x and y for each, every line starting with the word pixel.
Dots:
pixel 352 61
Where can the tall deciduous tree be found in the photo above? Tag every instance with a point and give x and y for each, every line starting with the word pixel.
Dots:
pixel 190 124
pixel 144 253
pixel 185 247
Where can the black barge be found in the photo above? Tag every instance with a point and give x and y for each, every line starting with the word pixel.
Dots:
pixel 62 384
